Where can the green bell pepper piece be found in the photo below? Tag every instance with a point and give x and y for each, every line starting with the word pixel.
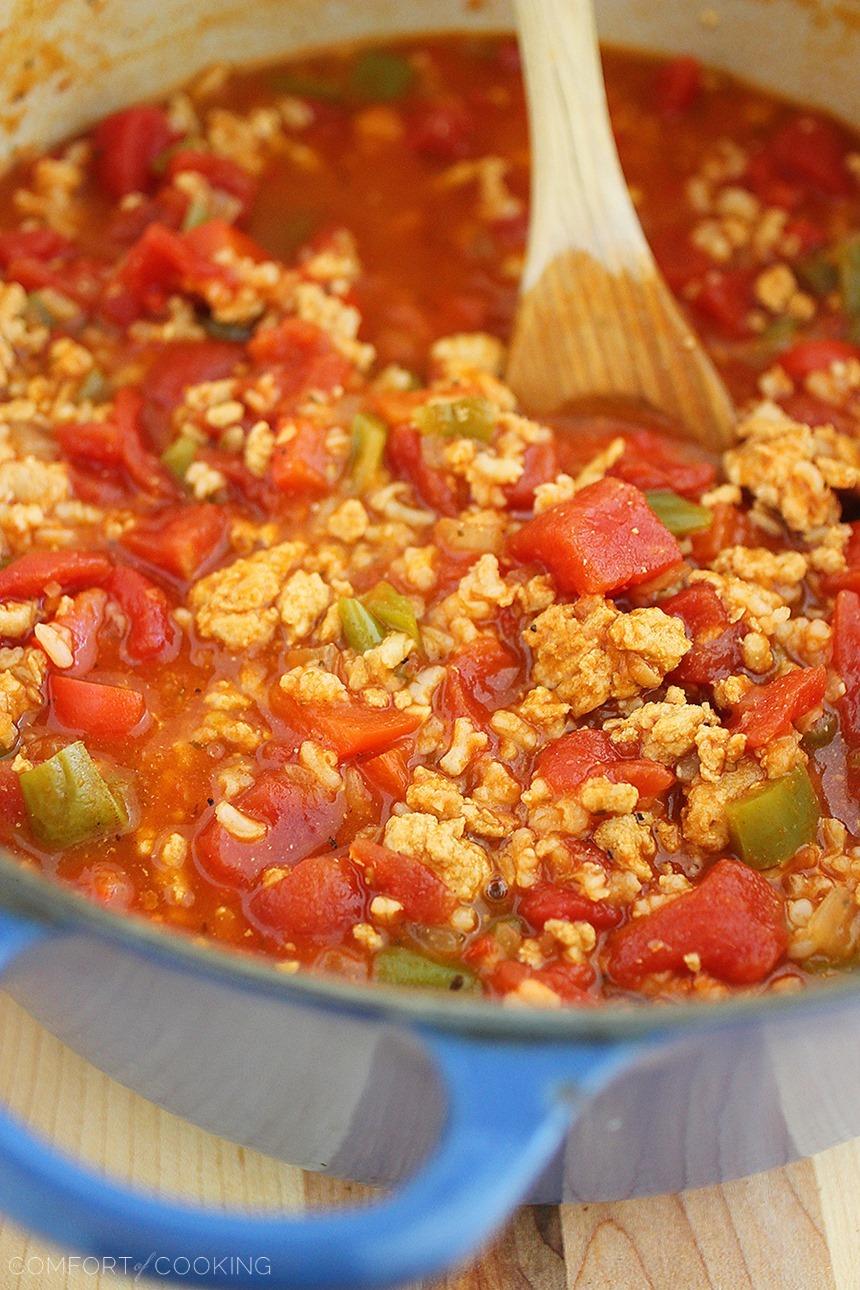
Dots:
pixel 821 732
pixel 197 214
pixel 178 456
pixel 68 799
pixel 238 332
pixel 369 434
pixel 818 274
pixel 768 825
pixel 398 966
pixel 471 417
pixel 359 627
pixel 381 77
pixel 848 266
pixel 679 515
pixel 391 610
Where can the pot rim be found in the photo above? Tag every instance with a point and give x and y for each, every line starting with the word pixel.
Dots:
pixel 55 905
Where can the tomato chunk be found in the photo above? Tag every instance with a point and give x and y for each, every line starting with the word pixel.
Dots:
pixel 299 819
pixel 299 466
pixel 151 631
pixel 849 578
pixel 553 900
pixel 678 84
pixel 813 152
pixel 221 173
pixel 30 574
pixel 181 542
pixel 302 355
pixel 350 729
pixel 318 899
pixel 604 539
pixel 105 711
pixel 767 712
pixel 388 772
pixel 405 455
pixel 126 144
pixel 846 660
pixel 808 356
pixel 177 366
pixel 482 677
pixel 733 920
pixel 83 620
pixel 716 651
pixel 653 461
pixel 425 899
pixel 578 756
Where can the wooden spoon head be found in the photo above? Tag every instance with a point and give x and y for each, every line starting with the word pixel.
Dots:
pixel 583 330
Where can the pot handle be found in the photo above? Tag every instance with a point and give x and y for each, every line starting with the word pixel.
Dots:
pixel 508 1108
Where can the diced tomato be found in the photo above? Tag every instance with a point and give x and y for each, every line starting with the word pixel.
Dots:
pixel 13 813
pixel 733 920
pixel 126 144
pixel 31 244
pixel 813 152
pixel 441 129
pixel 725 298
pixel 425 899
pixel 104 711
pixel 141 464
pixel 849 578
pixel 388 772
pixel 815 356
pixel 763 176
pixel 481 677
pixel 405 454
pixel 318 899
pixel 302 355
pixel 552 900
pixel 678 84
pixel 806 235
pixel 846 660
pixel 350 728
pixel 716 651
pixel 652 460
pixel 604 539
pixel 568 980
pixel 578 756
pixel 220 172
pixel 182 542
pixel 177 366
pixel 151 632
pixel 767 712
pixel 298 466
pixel 108 884
pixel 90 443
pixel 215 236
pixel 162 261
pixel 730 526
pixel 29 575
pixel 300 818
pixel 540 465
pixel 83 620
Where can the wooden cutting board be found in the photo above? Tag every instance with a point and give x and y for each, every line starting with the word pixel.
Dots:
pixel 792 1229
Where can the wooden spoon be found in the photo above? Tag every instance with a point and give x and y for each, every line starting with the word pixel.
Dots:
pixel 595 317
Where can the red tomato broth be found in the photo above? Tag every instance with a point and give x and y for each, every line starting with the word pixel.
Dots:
pixel 430 266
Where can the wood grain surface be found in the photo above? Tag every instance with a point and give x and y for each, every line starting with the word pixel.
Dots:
pixel 792 1229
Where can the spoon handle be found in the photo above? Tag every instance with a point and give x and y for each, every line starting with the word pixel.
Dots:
pixel 595 316
pixel 580 197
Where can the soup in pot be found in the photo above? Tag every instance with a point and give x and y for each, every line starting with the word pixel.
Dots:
pixel 316 644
